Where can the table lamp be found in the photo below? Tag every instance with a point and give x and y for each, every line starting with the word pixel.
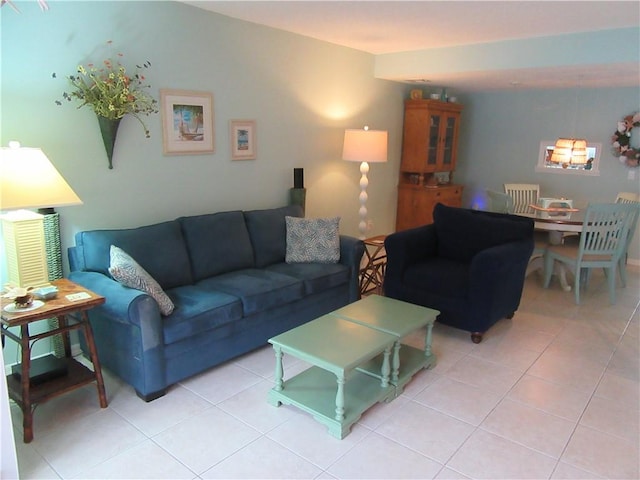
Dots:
pixel 28 180
pixel 364 146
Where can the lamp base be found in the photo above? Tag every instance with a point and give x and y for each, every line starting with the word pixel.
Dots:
pixel 23 233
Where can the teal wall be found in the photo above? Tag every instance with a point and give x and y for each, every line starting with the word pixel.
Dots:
pixel 302 92
pixel 501 133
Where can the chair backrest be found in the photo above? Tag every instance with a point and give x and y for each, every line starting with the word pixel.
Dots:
pixel 605 231
pixel 523 195
pixel 500 202
pixel 628 197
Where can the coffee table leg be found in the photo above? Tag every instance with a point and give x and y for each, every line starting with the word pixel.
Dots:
pixel 430 357
pixel 396 363
pixel 386 368
pixel 340 399
pixel 427 340
pixel 279 370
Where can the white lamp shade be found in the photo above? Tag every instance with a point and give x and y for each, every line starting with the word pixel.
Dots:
pixel 365 146
pixel 29 180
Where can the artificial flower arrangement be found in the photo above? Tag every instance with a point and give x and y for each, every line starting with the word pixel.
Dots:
pixel 621 141
pixel 111 92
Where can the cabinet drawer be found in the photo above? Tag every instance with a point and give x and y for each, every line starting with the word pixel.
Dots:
pixel 415 204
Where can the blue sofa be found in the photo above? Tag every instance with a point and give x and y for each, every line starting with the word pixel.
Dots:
pixel 468 264
pixel 227 277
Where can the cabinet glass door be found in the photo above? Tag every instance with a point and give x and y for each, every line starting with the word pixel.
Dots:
pixel 434 130
pixel 448 141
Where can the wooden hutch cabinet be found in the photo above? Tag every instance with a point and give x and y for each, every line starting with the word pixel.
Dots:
pixel 429 149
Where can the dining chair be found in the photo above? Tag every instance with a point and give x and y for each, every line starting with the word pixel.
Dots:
pixel 523 195
pixel 603 240
pixel 500 202
pixel 629 198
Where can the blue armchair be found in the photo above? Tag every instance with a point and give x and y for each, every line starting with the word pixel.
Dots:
pixel 468 264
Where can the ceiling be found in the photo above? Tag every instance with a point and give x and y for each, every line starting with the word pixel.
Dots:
pixel 388 27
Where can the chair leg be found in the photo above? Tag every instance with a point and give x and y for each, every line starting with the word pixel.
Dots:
pixel 576 285
pixel 623 270
pixel 611 281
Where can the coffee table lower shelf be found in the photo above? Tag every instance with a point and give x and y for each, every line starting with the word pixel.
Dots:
pixel 412 360
pixel 314 391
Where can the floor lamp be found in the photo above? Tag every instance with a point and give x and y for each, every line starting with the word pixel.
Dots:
pixel 365 146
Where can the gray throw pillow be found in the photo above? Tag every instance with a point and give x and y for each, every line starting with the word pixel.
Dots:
pixel 312 240
pixel 129 273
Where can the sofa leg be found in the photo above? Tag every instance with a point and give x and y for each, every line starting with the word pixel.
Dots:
pixel 151 396
pixel 510 316
pixel 476 337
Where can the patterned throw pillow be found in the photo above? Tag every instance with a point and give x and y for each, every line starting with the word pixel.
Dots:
pixel 312 240
pixel 128 272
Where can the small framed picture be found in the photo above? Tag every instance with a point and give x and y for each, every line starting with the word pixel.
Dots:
pixel 243 139
pixel 187 122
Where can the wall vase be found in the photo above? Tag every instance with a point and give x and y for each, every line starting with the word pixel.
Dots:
pixel 109 130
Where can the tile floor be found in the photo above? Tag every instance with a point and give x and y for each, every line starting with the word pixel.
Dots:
pixel 552 393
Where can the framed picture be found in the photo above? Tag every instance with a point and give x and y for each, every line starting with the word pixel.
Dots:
pixel 243 139
pixel 187 122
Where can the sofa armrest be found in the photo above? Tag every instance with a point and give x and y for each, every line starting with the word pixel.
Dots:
pixel 139 320
pixel 351 251
pixel 123 304
pixel 406 248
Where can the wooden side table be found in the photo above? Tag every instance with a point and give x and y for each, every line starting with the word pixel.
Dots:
pixel 70 307
pixel 375 262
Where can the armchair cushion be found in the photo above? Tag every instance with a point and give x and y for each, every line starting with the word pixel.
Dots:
pixel 454 224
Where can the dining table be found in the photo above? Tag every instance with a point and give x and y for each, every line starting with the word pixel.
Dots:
pixel 556 223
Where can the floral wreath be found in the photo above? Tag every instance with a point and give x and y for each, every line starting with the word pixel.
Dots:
pixel 621 140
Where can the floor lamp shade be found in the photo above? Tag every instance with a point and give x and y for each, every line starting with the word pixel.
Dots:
pixel 28 180
pixel 364 146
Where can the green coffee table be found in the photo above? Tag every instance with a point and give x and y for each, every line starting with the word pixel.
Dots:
pixel 398 319
pixel 332 390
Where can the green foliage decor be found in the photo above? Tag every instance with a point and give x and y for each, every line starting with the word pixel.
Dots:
pixel 111 92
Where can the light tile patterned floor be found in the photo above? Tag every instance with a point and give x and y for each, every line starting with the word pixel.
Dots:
pixel 552 393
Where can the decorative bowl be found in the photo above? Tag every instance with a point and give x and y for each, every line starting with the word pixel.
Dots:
pixel 24 301
pixel 46 293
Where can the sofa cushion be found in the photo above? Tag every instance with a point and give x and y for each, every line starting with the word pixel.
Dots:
pixel 259 290
pixel 317 277
pixel 197 311
pixel 159 249
pixel 217 243
pixel 126 270
pixel 268 233
pixel 312 240
pixel 462 233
